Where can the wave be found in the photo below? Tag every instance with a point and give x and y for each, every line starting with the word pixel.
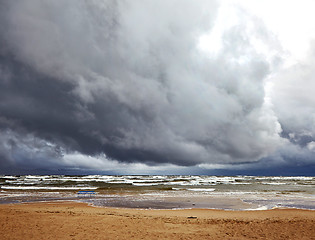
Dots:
pixel 201 189
pixel 46 188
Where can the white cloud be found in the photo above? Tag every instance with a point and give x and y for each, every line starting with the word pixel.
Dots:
pixel 311 146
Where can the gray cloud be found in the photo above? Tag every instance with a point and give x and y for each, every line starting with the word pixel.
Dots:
pixel 294 103
pixel 128 81
pixel 294 100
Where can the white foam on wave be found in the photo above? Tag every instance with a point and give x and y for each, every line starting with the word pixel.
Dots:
pixel 293 178
pixel 201 189
pixel 81 179
pixel 275 183
pixel 46 188
pixel 145 184
pixel 36 177
pixel 9 177
pixel 178 183
pixel 257 209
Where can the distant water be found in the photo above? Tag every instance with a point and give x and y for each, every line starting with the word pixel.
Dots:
pixel 165 192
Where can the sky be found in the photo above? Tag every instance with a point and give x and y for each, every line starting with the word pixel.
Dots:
pixel 157 87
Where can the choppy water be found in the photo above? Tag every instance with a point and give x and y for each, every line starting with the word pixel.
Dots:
pixel 221 192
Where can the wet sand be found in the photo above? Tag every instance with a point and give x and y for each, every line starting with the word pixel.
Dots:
pixel 71 220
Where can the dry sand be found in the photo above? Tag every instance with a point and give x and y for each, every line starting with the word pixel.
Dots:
pixel 70 220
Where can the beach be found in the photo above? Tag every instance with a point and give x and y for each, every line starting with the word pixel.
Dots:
pixel 73 220
pixel 156 207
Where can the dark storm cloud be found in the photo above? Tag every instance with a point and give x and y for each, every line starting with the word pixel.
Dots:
pixel 122 79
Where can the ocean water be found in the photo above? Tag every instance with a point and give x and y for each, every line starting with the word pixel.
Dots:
pixel 164 192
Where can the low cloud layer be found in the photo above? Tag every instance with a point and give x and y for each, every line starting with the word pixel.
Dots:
pixel 112 85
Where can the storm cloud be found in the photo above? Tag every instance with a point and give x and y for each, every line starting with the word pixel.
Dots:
pixel 102 84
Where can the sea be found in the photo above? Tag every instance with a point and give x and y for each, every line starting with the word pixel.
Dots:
pixel 163 191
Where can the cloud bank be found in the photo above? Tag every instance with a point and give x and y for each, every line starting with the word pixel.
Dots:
pixel 122 84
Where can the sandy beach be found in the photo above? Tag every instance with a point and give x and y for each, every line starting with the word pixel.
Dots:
pixel 71 220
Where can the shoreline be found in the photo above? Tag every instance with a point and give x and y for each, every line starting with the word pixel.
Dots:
pixel 65 201
pixel 76 220
pixel 163 200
